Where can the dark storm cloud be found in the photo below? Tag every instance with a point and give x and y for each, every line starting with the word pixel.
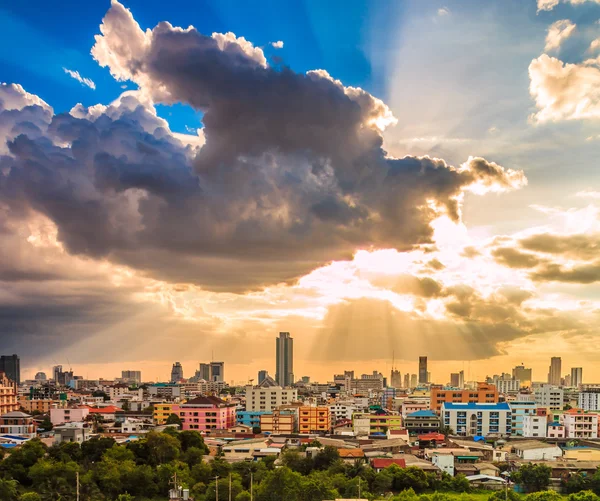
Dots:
pixel 292 174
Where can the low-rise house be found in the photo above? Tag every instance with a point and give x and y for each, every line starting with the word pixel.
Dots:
pixel 17 423
pixel 422 421
pixel 68 415
pixel 444 462
pixel 556 430
pixel 535 450
pixel 581 454
pixel 379 464
pixel 72 432
pixel 351 455
pixel 579 424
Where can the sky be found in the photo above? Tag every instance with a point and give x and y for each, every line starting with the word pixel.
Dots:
pixel 180 181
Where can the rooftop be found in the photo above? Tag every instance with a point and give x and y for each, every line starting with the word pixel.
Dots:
pixel 423 413
pixel 531 444
pixel 500 406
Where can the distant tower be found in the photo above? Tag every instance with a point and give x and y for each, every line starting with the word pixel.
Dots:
pixel 217 371
pixel 262 375
pixel 554 374
pixel 176 372
pixel 11 366
pixel 205 372
pixel 41 376
pixel 284 363
pixel 423 370
pixel 576 376
pixel 407 380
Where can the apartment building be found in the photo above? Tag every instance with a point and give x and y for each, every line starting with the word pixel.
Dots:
pixel 249 418
pixel 534 426
pixel 38 405
pixel 484 394
pixel 8 395
pixel 167 391
pixel 411 406
pixel 278 422
pixel 589 400
pixel 364 423
pixel 519 410
pixel 579 424
pixel 267 399
pixel 162 411
pixel 205 414
pixel 342 410
pixel 549 396
pixel 471 419
pixel 17 423
pixel 68 415
pixel 314 420
pixel 423 421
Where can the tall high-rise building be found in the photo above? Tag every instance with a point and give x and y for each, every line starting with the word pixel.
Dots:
pixel 413 381
pixel 11 366
pixel 461 379
pixel 284 363
pixel 407 380
pixel 132 376
pixel 455 379
pixel 396 379
pixel 554 373
pixel 217 371
pixel 523 374
pixel 576 376
pixel 56 372
pixel 176 372
pixel 423 370
pixel 204 372
pixel 262 375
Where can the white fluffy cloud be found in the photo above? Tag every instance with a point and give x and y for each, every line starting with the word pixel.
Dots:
pixel 88 82
pixel 558 32
pixel 278 44
pixel 550 4
pixel 564 91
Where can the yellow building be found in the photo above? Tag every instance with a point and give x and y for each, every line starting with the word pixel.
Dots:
pixel 583 454
pixel 40 405
pixel 314 420
pixel 365 423
pixel 278 422
pixel 8 395
pixel 162 412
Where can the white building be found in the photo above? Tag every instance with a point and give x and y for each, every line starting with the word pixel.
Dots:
pixel 508 385
pixel 549 396
pixel 470 419
pixel 580 425
pixel 68 415
pixel 535 426
pixel 519 410
pixel 444 462
pixel 72 432
pixel 589 400
pixel 342 410
pixel 268 399
pixel 533 450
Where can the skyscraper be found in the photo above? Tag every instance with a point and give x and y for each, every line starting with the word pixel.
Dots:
pixel 176 372
pixel 576 376
pixel 554 372
pixel 284 363
pixel 461 379
pixel 131 376
pixel 455 379
pixel 204 372
pixel 407 380
pixel 11 366
pixel 262 375
pixel 413 380
pixel 423 370
pixel 522 374
pixel 396 379
pixel 217 371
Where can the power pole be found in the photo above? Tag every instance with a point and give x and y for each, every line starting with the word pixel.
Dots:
pixel 217 488
pixel 230 487
pixel 251 482
pixel 77 477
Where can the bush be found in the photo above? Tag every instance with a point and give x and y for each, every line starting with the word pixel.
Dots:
pixel 503 495
pixel 583 496
pixel 544 496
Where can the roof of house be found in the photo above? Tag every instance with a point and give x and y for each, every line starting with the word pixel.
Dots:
pixel 111 409
pixel 556 424
pixel 351 453
pixel 500 406
pixel 15 414
pixel 384 444
pixel 471 444
pixel 384 463
pixel 438 437
pixel 532 444
pixel 423 413
pixel 205 400
pixel 485 478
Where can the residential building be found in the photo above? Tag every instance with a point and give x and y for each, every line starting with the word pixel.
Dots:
pixel 471 419
pixel 217 371
pixel 284 363
pixel 589 400
pixel 62 378
pixel 249 418
pixel 176 372
pixel 387 398
pixel 38 405
pixel 576 376
pixel 461 379
pixel 167 391
pixel 365 423
pixel 556 430
pixel 549 396
pixel 8 395
pixel 40 377
pixel 278 422
pixel 68 415
pixel 11 366
pixel 72 432
pixel 443 461
pixel 523 374
pixel 534 450
pixel 410 406
pixel 205 414
pixel 534 426
pixel 579 424
pixel 314 419
pixel 423 370
pixel 508 385
pixel 406 381
pixel 413 381
pixel 266 399
pixel 162 411
pixel 519 410
pixel 132 377
pixel 366 383
pixel 341 410
pixel 485 393
pixel 396 379
pixel 17 423
pixel 424 421
pixel 554 372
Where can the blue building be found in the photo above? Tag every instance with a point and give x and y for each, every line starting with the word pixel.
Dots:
pixel 250 418
pixel 519 411
pixel 480 419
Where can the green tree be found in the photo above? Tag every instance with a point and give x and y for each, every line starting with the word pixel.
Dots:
pixel 383 482
pixel 191 438
pixel 162 448
pixel 174 419
pixel 297 462
pixel 446 430
pixel 533 477
pixel 54 479
pixel 503 495
pixel 8 490
pixel 243 496
pixel 236 488
pixel 46 424
pixel 544 496
pixel 30 496
pixel 583 496
pixel 576 482
pixel 326 458
pixel 17 464
pixel 409 478
pixel 281 483
pixel 256 430
pixel 93 449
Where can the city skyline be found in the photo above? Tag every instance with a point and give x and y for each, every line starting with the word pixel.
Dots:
pixel 337 188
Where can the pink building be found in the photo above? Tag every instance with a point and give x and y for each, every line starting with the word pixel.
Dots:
pixel 207 414
pixel 556 430
pixel 68 415
pixel 410 406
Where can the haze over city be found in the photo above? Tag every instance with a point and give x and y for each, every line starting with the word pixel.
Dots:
pixel 181 181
